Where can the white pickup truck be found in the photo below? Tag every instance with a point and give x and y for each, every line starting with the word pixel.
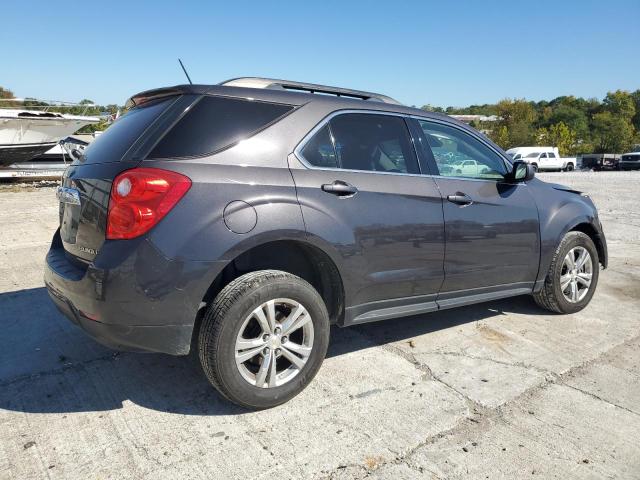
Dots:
pixel 543 158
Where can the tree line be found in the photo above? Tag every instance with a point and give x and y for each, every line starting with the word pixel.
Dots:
pixel 575 125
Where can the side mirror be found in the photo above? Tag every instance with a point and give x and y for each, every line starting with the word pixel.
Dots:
pixel 522 172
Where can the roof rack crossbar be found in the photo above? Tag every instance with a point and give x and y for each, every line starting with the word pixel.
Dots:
pixel 270 83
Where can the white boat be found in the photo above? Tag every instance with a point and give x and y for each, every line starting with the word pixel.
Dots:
pixel 25 134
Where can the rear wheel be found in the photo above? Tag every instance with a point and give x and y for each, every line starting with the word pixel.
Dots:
pixel 570 167
pixel 264 338
pixel 572 276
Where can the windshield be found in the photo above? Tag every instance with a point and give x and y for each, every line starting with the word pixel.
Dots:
pixel 534 154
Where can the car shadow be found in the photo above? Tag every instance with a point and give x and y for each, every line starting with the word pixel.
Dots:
pixel 49 365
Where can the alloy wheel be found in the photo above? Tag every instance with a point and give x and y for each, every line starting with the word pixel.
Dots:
pixel 274 343
pixel 576 274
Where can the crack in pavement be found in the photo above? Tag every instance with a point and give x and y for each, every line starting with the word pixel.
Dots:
pixel 487 414
pixel 56 371
pixel 593 395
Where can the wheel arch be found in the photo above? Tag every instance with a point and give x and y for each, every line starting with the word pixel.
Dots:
pixel 566 217
pixel 588 229
pixel 294 256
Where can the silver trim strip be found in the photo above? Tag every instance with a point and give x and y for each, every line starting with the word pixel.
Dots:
pixel 303 143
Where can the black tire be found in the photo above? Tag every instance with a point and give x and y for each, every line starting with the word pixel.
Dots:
pixel 570 167
pixel 224 318
pixel 550 296
pixel 535 166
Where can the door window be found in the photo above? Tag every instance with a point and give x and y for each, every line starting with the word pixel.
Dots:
pixel 369 142
pixel 452 150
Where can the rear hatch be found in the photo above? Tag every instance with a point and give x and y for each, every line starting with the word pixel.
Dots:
pixel 86 184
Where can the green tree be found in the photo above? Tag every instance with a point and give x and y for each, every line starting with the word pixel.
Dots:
pixel 558 135
pixel 6 93
pixel 612 133
pixel 500 136
pixel 636 118
pixel 518 117
pixel 573 117
pixel 431 108
pixel 620 103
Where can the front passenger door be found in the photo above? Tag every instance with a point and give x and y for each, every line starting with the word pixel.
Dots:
pixel 491 226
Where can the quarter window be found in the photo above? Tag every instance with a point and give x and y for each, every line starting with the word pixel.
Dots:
pixel 458 154
pixel 214 123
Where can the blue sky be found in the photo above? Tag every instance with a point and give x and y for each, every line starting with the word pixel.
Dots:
pixel 438 52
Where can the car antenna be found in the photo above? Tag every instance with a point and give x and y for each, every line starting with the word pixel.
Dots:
pixel 185 71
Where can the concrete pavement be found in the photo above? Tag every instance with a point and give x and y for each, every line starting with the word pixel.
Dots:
pixel 497 390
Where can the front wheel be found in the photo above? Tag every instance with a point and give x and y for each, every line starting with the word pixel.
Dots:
pixel 572 276
pixel 264 338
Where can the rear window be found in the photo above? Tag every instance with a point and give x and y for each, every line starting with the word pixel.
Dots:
pixel 214 123
pixel 111 145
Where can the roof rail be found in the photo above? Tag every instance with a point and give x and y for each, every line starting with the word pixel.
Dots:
pixel 270 83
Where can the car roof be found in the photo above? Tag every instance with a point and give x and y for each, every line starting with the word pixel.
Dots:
pixel 296 98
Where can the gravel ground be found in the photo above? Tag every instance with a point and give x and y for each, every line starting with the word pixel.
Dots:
pixel 498 390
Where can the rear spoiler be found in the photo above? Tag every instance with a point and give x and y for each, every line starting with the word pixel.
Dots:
pixel 149 95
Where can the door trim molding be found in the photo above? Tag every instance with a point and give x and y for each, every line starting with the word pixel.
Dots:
pixel 408 306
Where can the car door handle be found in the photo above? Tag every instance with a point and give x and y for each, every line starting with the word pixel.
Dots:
pixel 460 199
pixel 341 189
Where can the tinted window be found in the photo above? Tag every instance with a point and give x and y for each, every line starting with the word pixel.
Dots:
pixel 111 145
pixel 458 154
pixel 215 123
pixel 319 151
pixel 551 155
pixel 377 143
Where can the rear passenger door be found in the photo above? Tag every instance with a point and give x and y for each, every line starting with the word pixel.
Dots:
pixel 362 196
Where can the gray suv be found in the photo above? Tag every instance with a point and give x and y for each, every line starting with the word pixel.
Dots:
pixel 245 218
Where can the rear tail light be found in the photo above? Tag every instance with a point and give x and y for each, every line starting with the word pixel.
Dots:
pixel 140 198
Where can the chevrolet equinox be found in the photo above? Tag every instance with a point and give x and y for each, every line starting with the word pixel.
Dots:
pixel 247 217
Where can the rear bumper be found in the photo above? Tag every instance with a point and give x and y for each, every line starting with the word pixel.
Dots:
pixel 171 339
pixel 131 298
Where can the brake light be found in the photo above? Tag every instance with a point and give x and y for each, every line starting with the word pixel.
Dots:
pixel 140 198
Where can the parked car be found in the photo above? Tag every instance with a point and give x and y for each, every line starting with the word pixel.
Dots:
pixel 543 158
pixel 243 219
pixel 600 161
pixel 630 161
pixel 469 167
